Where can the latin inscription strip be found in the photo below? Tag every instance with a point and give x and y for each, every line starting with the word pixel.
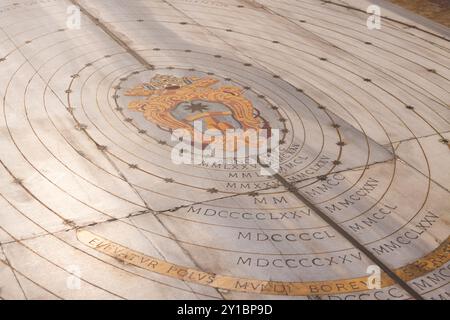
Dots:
pixel 418 268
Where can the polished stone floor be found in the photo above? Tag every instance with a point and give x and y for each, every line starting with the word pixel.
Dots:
pixel 94 207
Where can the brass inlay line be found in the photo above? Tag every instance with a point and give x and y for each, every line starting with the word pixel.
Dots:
pixel 418 268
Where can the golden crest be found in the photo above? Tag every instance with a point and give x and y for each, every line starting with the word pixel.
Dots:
pixel 175 103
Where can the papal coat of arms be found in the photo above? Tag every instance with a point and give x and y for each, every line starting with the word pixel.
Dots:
pixel 177 102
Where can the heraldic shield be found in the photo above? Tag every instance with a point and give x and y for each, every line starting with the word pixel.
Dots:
pixel 173 103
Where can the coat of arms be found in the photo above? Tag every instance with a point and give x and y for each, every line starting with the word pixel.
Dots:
pixel 176 102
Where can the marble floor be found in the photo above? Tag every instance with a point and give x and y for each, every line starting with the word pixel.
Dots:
pixel 93 205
